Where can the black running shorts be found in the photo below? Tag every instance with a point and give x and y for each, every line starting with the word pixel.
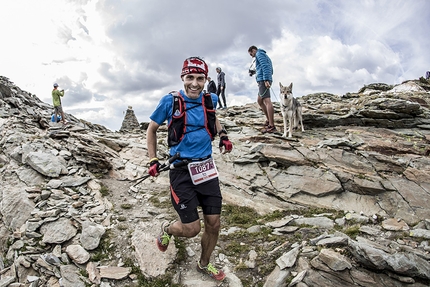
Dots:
pixel 186 196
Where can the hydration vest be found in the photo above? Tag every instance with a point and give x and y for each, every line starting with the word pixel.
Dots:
pixel 178 125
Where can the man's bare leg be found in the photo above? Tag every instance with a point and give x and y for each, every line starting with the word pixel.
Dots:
pixel 263 107
pixel 209 237
pixel 270 111
pixel 180 229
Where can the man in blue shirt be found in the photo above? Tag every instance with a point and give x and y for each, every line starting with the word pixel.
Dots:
pixel 197 183
pixel 264 72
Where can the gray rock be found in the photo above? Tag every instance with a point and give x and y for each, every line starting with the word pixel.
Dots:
pixel 288 259
pixel 322 222
pixel 333 241
pixel 91 235
pixel 116 273
pixel 424 233
pixel 77 253
pixel 402 263
pixel 15 206
pixel 334 260
pixel 277 278
pixel 70 276
pixel 58 231
pixel 394 224
pixel 46 164
pixel 6 281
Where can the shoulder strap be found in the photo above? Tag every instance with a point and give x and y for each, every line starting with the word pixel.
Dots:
pixel 207 100
pixel 176 128
pixel 178 102
pixel 178 124
pixel 210 115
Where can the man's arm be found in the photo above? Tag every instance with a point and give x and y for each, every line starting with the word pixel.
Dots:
pixel 151 139
pixel 222 79
pixel 264 65
pixel 219 128
pixel 265 68
pixel 225 145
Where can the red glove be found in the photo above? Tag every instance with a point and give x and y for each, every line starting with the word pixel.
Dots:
pixel 226 143
pixel 154 168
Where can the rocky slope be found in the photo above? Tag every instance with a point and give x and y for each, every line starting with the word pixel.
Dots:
pixel 344 203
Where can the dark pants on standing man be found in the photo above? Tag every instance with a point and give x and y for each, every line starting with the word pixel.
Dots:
pixel 221 93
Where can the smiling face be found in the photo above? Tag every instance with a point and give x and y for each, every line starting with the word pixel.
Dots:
pixel 194 85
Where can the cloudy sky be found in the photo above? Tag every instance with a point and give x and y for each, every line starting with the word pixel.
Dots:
pixel 111 54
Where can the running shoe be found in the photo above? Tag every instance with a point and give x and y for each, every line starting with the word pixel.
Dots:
pixel 210 270
pixel 163 238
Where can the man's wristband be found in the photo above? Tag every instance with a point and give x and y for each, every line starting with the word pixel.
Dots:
pixel 223 131
pixel 152 160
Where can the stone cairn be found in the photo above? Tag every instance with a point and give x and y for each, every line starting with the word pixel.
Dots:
pixel 130 122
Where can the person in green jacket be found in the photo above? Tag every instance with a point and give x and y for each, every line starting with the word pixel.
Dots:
pixel 58 110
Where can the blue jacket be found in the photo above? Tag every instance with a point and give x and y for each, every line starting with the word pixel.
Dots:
pixel 263 66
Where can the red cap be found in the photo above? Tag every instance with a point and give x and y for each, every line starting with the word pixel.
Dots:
pixel 194 65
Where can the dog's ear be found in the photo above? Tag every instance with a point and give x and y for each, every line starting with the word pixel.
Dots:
pixel 280 85
pixel 291 86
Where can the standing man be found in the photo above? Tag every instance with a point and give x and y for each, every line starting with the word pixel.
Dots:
pixel 190 133
pixel 264 71
pixel 211 86
pixel 58 109
pixel 221 87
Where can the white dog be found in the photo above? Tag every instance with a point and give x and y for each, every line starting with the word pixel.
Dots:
pixel 291 110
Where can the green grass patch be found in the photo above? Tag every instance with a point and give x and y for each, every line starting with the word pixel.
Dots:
pixel 122 227
pixel 104 190
pixel 104 249
pixel 311 212
pixel 234 248
pixel 126 206
pixel 98 175
pixel 275 215
pixel 241 216
pixel 122 218
pixel 155 200
pixel 181 254
pixel 161 281
pixel 352 231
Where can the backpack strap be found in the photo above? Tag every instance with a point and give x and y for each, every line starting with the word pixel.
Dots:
pixel 178 124
pixel 210 116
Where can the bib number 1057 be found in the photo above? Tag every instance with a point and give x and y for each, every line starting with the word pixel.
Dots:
pixel 202 171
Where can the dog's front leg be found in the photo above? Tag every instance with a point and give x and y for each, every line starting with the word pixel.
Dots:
pixel 290 134
pixel 290 123
pixel 285 118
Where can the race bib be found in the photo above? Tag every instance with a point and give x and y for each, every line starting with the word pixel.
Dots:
pixel 202 171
